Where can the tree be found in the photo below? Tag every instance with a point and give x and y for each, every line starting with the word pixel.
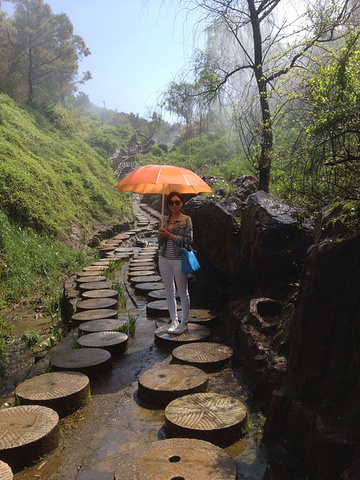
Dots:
pixel 331 113
pixel 46 52
pixel 266 49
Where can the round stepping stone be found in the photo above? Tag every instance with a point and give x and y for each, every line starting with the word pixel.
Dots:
pixel 124 250
pixel 91 278
pixel 103 263
pixel 219 419
pixel 157 294
pixel 112 242
pixel 5 471
pixel 143 288
pixel 135 261
pixel 28 432
pixel 95 303
pixel 96 314
pixel 194 333
pixel 121 236
pixel 141 273
pixel 141 266
pixel 158 308
pixel 93 362
pixel 64 392
pixel 88 273
pixel 94 286
pixel 144 278
pixel 138 268
pixel 105 325
pixel 210 357
pixel 102 293
pixel 160 385
pixel 94 268
pixel 118 256
pixel 199 315
pixel 114 342
pixel 177 459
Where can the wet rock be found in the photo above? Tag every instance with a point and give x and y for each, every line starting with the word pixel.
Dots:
pixel 216 236
pixel 329 224
pixel 324 361
pixel 275 243
pixel 245 186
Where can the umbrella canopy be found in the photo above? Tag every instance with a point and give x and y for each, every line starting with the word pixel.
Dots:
pixel 162 179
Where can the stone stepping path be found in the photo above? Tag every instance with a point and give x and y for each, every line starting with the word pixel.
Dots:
pixel 93 362
pixel 28 432
pixel 158 308
pixel 106 325
pixel 115 343
pixel 163 383
pixel 64 392
pixel 177 459
pixel 195 333
pixel 5 471
pixel 95 303
pixel 210 357
pixel 96 314
pixel 181 387
pixel 216 418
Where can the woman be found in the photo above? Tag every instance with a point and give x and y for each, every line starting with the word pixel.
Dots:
pixel 176 232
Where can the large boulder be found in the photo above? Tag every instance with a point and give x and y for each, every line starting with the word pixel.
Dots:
pixel 324 360
pixel 216 237
pixel 275 243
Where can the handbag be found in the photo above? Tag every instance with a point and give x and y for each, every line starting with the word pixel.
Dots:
pixel 189 262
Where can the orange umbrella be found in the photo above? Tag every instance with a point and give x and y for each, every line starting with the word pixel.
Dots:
pixel 162 179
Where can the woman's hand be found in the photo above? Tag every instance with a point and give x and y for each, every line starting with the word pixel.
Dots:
pixel 164 233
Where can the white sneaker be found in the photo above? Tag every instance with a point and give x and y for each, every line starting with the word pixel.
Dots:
pixel 181 328
pixel 173 326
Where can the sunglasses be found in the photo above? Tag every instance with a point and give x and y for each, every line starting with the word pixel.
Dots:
pixel 171 203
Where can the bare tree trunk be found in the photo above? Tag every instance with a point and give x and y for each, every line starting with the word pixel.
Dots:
pixel 264 161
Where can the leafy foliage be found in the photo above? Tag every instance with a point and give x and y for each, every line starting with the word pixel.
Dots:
pixel 51 181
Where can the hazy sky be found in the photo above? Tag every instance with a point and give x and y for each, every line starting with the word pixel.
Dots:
pixel 137 47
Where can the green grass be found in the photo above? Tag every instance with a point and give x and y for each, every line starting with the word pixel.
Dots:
pixel 32 263
pixel 129 327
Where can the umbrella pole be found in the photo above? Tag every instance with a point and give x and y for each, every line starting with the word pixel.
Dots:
pixel 162 209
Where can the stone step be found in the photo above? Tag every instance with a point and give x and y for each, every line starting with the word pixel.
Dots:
pixel 96 314
pixel 93 362
pixel 5 471
pixel 213 417
pixel 158 308
pixel 163 383
pixel 194 333
pixel 106 325
pixel 210 357
pixel 114 342
pixel 96 303
pixel 177 459
pixel 64 392
pixel 28 432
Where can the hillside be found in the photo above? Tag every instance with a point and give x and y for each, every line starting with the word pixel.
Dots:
pixel 56 191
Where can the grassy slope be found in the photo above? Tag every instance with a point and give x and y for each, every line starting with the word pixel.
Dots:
pixel 51 181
